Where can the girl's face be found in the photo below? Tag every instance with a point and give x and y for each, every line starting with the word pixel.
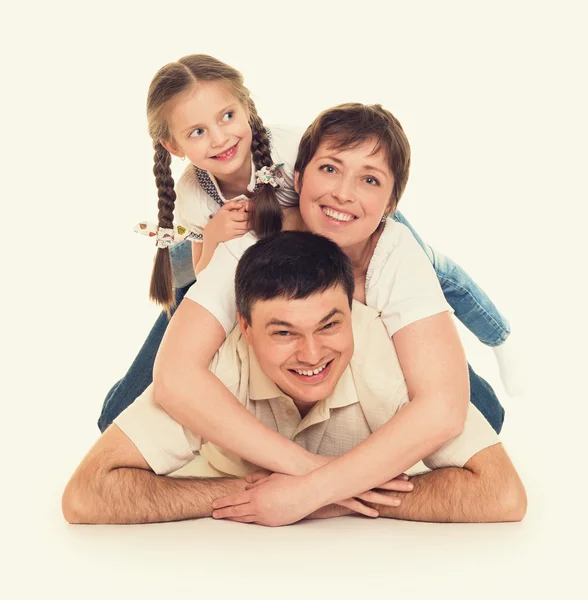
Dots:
pixel 211 128
pixel 344 193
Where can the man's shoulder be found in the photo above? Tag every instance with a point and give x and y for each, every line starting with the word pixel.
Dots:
pixel 227 362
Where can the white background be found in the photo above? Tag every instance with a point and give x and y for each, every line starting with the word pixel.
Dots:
pixel 493 99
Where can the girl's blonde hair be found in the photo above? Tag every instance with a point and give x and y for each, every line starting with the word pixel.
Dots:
pixel 170 81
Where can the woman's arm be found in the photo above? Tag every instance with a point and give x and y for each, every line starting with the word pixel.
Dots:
pixel 186 389
pixel 434 365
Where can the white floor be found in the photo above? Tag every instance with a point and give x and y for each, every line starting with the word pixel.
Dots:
pixel 493 101
pixel 340 557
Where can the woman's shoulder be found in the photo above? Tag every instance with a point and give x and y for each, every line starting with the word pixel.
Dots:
pixel 237 246
pixel 395 237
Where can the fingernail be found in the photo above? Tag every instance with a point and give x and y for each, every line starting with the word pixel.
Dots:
pixel 410 486
pixel 214 504
pixel 396 502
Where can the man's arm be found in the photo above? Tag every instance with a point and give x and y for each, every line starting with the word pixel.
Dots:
pixel 114 484
pixel 487 489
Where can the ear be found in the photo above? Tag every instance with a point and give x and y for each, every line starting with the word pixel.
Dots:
pixel 172 148
pixel 245 328
pixel 296 182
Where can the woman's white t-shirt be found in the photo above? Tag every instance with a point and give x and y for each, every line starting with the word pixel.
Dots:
pixel 401 284
pixel 199 196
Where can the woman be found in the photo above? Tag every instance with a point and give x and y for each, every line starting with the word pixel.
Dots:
pixel 351 171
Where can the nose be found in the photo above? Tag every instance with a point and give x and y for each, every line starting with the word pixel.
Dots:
pixel 218 137
pixel 344 190
pixel 310 351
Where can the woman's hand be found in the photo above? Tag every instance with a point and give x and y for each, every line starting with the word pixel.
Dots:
pixel 277 499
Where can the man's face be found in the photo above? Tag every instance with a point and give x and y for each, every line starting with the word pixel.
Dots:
pixel 302 345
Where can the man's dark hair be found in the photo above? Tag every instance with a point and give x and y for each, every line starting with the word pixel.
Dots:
pixel 292 265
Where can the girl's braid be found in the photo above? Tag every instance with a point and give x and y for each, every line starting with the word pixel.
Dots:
pixel 266 219
pixel 161 290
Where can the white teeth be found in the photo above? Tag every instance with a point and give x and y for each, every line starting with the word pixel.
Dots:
pixel 224 153
pixel 309 373
pixel 337 215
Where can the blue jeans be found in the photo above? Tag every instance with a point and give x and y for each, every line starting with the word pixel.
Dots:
pixel 465 297
pixel 471 304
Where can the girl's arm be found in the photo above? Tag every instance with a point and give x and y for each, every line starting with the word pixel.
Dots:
pixel 186 389
pixel 229 222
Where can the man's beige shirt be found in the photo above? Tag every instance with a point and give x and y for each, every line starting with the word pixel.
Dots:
pixel 371 390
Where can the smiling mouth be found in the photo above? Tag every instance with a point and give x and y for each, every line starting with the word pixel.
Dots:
pixel 313 375
pixel 227 153
pixel 335 215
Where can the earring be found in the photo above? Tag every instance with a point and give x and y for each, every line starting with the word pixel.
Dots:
pixel 183 158
pixel 384 217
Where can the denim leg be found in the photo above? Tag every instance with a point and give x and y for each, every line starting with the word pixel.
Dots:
pixel 471 304
pixel 483 397
pixel 140 375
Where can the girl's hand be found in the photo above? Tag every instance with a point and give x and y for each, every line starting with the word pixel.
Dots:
pixel 229 222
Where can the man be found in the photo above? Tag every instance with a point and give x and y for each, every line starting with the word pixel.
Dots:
pixel 294 297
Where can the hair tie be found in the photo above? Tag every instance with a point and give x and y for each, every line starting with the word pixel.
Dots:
pixel 165 237
pixel 272 175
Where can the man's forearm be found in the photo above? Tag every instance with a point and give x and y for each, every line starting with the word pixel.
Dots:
pixel 454 495
pixel 131 495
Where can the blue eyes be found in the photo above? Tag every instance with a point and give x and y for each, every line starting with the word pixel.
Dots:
pixel 225 118
pixel 330 169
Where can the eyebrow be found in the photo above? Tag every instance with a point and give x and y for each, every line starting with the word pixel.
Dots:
pixel 198 126
pixel 366 166
pixel 323 321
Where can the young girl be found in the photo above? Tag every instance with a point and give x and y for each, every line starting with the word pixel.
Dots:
pixel 199 108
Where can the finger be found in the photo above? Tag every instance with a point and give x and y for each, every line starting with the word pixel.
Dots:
pixel 377 498
pixel 232 500
pixel 232 511
pixel 360 508
pixel 257 475
pixel 239 217
pixel 247 519
pixel 397 485
pixel 259 482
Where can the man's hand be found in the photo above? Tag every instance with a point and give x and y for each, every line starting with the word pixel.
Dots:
pixel 283 499
pixel 229 222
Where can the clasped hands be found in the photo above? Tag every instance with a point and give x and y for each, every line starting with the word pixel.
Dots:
pixel 275 499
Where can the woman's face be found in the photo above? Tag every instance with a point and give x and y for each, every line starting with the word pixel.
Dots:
pixel 211 128
pixel 344 193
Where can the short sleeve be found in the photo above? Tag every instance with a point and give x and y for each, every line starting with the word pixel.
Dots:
pixel 477 435
pixel 164 443
pixel 284 147
pixel 401 282
pixel 193 208
pixel 215 287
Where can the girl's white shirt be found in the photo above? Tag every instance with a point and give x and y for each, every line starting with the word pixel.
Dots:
pixel 401 284
pixel 194 207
